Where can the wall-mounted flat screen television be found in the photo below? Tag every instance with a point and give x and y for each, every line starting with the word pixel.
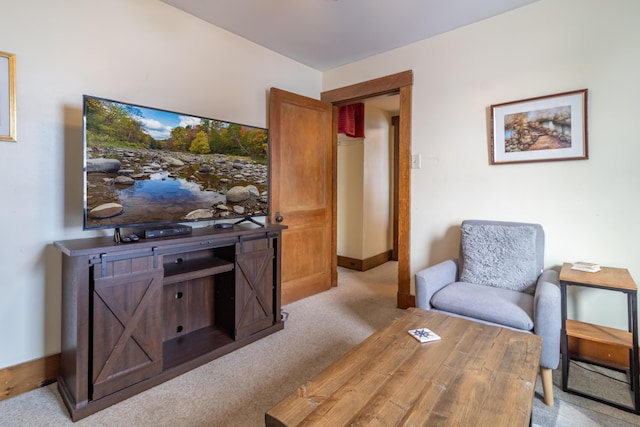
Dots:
pixel 146 166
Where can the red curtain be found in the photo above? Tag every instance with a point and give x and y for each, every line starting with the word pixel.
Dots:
pixel 351 120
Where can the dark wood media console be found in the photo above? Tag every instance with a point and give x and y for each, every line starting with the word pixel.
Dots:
pixel 137 314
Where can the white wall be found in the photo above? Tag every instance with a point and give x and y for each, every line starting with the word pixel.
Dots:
pixel 589 208
pixel 376 221
pixel 350 189
pixel 364 182
pixel 141 51
pixel 146 52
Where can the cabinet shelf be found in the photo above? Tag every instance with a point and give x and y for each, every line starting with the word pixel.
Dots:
pixel 195 269
pixel 187 347
pixel 599 333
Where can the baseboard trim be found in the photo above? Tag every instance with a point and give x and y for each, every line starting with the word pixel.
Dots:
pixel 27 376
pixel 364 264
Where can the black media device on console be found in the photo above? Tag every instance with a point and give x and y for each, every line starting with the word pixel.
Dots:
pixel 167 230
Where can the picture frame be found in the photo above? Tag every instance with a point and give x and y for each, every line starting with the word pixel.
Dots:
pixel 546 128
pixel 7 97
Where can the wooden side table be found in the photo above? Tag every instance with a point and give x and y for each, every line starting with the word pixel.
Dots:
pixel 613 279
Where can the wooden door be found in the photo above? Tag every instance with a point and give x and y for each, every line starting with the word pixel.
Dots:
pixel 127 328
pixel 301 191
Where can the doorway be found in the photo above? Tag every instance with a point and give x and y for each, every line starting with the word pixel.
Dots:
pixel 400 84
pixel 367 231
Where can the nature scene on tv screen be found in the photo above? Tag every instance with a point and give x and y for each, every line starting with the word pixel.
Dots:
pixel 146 165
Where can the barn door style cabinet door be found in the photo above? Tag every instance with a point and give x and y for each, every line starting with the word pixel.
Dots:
pixel 254 297
pixel 135 315
pixel 127 330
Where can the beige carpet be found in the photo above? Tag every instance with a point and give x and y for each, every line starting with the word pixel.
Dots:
pixel 237 389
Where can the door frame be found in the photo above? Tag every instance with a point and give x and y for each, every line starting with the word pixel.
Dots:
pixel 402 84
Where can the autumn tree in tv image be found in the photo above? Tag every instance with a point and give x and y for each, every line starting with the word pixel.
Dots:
pixel 145 166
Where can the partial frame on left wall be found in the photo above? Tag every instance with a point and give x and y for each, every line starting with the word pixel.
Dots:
pixel 8 122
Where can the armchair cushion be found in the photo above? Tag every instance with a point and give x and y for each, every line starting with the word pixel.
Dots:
pixel 502 306
pixel 499 256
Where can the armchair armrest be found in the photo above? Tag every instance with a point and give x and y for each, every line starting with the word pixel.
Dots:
pixel 547 317
pixel 432 279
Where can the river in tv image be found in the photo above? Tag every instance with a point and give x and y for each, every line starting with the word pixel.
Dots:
pixel 142 186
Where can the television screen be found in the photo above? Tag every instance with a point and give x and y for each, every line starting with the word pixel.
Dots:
pixel 146 166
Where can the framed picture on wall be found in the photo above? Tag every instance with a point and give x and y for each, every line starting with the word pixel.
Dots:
pixel 7 97
pixel 547 128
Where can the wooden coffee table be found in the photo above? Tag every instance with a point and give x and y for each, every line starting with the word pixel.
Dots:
pixel 476 375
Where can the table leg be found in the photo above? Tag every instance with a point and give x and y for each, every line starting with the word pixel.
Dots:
pixel 564 347
pixel 633 328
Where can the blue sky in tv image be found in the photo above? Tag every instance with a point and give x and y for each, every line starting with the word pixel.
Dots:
pixel 145 166
pixel 159 123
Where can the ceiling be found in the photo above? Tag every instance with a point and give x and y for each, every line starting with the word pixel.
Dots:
pixel 325 34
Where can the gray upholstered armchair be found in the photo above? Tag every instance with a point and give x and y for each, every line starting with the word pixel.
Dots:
pixel 499 279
